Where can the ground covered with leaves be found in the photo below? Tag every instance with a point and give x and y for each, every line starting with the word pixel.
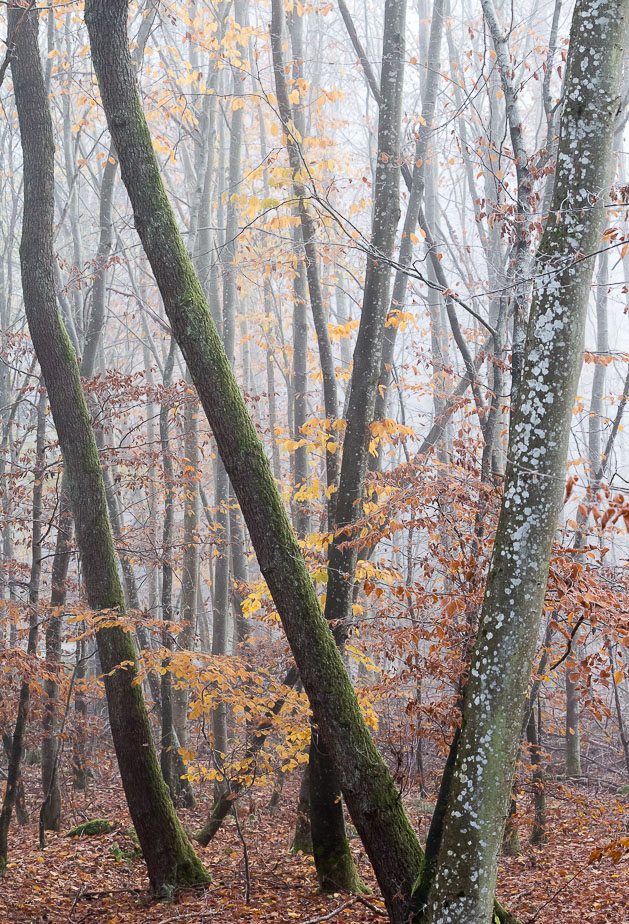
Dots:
pixel 581 874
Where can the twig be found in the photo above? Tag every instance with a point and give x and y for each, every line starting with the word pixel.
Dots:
pixel 332 914
pixel 365 901
pixel 105 892
pixel 198 916
pixel 77 898
pixel 552 898
pixel 569 645
pixel 245 854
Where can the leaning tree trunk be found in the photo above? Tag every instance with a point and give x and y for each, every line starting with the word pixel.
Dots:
pixel 495 696
pixel 369 790
pixel 50 811
pixel 169 856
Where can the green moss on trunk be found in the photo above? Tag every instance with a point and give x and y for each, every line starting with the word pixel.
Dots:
pixel 330 848
pixel 171 861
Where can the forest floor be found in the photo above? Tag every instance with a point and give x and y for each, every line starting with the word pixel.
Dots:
pixel 80 880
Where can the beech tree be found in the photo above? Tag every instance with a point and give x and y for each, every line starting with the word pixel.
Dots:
pixel 170 858
pixel 367 785
pixel 463 886
pixel 330 847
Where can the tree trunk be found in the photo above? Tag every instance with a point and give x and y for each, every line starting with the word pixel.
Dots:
pixel 495 696
pixel 50 812
pixel 416 194
pixel 572 735
pixel 538 832
pixel 369 790
pixel 624 737
pixel 169 856
pixel 293 140
pixel 171 762
pixel 334 861
pixel 17 742
pixel 302 838
pixel 190 564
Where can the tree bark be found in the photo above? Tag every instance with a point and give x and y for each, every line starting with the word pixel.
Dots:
pixel 495 696
pixel 50 812
pixel 369 790
pixel 293 140
pixel 416 194
pixel 330 847
pixel 538 833
pixel 16 750
pixel 169 856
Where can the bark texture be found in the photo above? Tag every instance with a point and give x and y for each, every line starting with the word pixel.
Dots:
pixel 331 852
pixel 369 790
pixel 495 698
pixel 169 856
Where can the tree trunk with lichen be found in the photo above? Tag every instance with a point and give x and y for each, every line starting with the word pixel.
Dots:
pixel 495 697
pixel 170 859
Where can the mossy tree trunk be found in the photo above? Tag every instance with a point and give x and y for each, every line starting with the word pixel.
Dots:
pixel 495 696
pixel 369 790
pixel 300 314
pixel 302 838
pixel 50 812
pixel 330 847
pixel 169 856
